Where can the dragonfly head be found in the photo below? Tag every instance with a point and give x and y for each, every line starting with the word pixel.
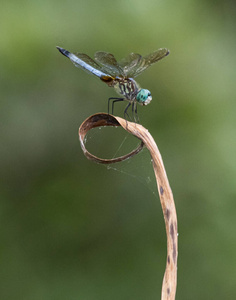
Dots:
pixel 144 97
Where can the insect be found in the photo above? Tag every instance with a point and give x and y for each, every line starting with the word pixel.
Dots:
pixel 119 75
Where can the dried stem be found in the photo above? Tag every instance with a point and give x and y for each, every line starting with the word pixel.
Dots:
pixel 166 197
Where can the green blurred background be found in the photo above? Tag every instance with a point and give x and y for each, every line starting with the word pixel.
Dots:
pixel 73 229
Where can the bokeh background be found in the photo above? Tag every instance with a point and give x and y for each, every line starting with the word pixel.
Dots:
pixel 73 229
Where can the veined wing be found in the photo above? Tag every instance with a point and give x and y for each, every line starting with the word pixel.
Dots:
pixel 109 63
pixel 130 62
pixel 85 62
pixel 146 61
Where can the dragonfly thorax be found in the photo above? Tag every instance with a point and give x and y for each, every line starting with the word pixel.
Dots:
pixel 126 87
pixel 129 88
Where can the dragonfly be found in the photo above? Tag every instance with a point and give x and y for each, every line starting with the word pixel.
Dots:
pixel 119 75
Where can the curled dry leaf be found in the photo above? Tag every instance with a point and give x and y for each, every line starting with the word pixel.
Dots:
pixel 166 197
pixel 99 120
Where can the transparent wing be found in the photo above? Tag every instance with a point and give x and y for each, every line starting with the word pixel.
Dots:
pixel 146 61
pixel 130 62
pixel 88 60
pixel 88 64
pixel 109 63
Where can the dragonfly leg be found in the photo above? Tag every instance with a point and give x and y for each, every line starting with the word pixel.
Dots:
pixel 113 101
pixel 133 107
pixel 125 112
pixel 136 113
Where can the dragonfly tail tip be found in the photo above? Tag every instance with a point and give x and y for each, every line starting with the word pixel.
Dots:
pixel 63 51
